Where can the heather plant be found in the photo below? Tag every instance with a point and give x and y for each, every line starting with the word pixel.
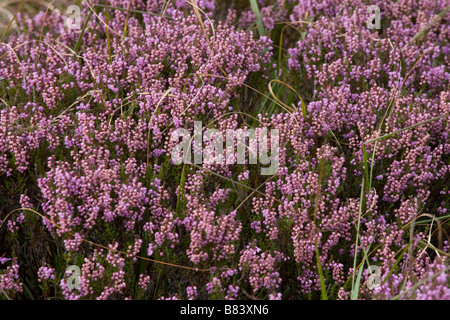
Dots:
pixel 93 205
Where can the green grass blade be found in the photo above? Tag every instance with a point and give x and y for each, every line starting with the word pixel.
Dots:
pixel 396 263
pixel 12 20
pixel 355 290
pixel 80 38
pixel 407 128
pixel 322 281
pixel 181 191
pixel 255 9
pixel 357 232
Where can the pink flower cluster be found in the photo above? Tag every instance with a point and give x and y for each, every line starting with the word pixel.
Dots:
pixel 85 124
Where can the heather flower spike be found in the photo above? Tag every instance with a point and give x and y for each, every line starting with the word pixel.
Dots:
pixel 208 149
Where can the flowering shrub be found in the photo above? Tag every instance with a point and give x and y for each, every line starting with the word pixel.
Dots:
pixel 87 178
